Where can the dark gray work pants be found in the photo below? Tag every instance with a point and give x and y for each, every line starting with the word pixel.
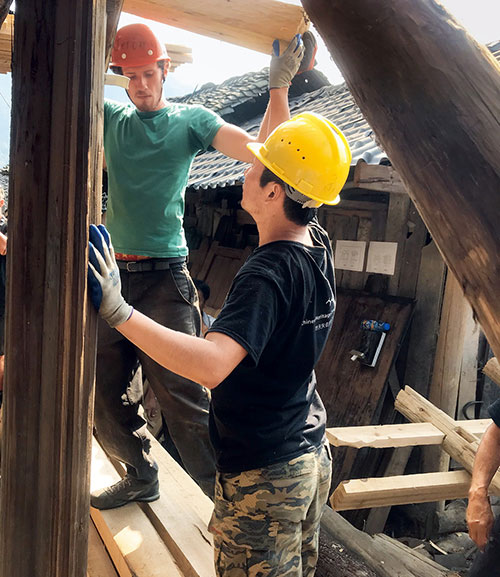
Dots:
pixel 169 297
pixel 487 564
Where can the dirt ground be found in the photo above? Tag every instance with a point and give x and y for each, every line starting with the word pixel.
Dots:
pixel 335 561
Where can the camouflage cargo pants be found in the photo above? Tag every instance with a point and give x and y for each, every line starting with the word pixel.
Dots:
pixel 266 521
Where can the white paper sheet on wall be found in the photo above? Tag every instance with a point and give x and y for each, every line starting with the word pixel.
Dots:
pixel 382 257
pixel 350 255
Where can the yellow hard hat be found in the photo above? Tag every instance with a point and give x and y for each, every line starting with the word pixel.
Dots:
pixel 309 153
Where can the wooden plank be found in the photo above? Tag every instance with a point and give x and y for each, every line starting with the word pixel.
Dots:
pixel 456 189
pixel 401 490
pixel 219 269
pixel 181 515
pixel 411 254
pixel 446 374
pixel 397 231
pixel 378 436
pixel 378 177
pixel 459 443
pixel 425 323
pixel 401 435
pixel 131 540
pixel 99 562
pixel 57 90
pixel 492 370
pixel 252 25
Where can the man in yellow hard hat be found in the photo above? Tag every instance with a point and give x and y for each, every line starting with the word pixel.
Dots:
pixel 149 148
pixel 267 421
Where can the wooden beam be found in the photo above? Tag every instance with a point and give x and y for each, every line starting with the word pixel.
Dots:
pixel 401 490
pixel 113 11
pixel 492 370
pixel 252 25
pixel 51 329
pixel 402 435
pixel 406 435
pixel 99 564
pixel 425 323
pixel 401 76
pixel 378 177
pixel 446 373
pixel 385 556
pixel 459 443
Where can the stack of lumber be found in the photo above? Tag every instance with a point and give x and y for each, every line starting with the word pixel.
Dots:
pixel 179 55
pixel 166 537
pixel 429 426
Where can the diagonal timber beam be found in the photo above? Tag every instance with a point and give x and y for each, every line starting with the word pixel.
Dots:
pixel 253 25
pixel 402 59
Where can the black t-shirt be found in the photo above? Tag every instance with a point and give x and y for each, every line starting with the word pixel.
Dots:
pixel 280 309
pixel 494 411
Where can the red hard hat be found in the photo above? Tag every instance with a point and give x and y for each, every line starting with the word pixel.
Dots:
pixel 136 45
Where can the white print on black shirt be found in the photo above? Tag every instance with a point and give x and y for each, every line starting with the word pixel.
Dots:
pixel 326 318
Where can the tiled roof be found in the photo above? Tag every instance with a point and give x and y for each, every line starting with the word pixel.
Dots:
pixel 495 50
pixel 242 97
pixel 214 170
pixel 225 97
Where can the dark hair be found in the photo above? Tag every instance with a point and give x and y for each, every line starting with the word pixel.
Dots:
pixel 294 211
pixel 161 65
pixel 203 287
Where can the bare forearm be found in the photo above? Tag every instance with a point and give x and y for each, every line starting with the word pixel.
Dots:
pixel 479 513
pixel 487 460
pixel 200 360
pixel 277 112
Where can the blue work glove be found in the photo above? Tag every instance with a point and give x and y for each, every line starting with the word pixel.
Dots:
pixel 105 288
pixel 283 68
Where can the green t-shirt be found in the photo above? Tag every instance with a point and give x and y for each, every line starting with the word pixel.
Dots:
pixel 149 156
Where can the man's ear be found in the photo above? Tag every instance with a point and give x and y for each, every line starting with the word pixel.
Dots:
pixel 276 191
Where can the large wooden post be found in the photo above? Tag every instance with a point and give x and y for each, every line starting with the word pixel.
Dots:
pixel 431 94
pixel 50 337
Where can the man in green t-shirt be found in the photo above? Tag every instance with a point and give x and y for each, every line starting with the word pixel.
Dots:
pixel 149 148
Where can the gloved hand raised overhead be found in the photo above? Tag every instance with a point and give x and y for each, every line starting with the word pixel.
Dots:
pixel 105 289
pixel 283 68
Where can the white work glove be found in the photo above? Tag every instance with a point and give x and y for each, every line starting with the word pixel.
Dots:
pixel 283 68
pixel 105 288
